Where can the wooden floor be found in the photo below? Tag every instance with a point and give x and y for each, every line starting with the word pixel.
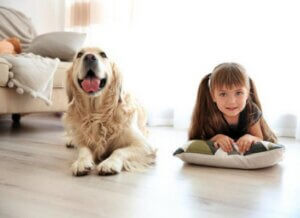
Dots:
pixel 36 181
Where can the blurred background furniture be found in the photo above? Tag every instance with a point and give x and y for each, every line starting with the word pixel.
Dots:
pixel 15 24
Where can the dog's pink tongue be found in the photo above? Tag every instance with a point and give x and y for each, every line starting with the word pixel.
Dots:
pixel 90 84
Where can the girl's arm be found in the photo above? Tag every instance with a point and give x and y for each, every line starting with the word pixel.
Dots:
pixel 254 135
pixel 255 130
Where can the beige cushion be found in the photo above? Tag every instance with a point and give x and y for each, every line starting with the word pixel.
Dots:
pixel 59 76
pixel 4 72
pixel 12 102
pixel 62 45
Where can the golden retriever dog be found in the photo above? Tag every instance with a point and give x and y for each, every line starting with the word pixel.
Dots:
pixel 106 123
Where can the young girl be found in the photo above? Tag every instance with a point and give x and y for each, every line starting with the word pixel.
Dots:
pixel 228 110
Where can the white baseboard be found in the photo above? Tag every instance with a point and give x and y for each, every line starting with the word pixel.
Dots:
pixel 285 132
pixel 160 122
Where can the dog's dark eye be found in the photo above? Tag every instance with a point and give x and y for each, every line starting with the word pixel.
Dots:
pixel 79 54
pixel 102 54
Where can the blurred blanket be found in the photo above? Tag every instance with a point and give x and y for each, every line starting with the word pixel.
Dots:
pixel 32 74
pixel 13 23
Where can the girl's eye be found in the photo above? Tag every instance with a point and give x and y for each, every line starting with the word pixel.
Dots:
pixel 222 94
pixel 239 93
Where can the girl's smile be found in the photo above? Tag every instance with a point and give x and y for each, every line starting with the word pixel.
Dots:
pixel 231 108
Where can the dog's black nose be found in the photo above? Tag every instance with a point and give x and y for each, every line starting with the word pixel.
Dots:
pixel 90 58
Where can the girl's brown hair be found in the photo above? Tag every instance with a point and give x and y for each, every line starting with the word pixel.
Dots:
pixel 207 120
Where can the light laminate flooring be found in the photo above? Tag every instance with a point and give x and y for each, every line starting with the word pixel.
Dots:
pixel 36 181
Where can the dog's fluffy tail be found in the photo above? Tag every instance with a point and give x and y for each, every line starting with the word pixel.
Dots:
pixel 141 161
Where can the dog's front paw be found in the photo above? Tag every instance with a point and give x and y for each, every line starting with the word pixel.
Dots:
pixel 70 143
pixel 82 167
pixel 110 167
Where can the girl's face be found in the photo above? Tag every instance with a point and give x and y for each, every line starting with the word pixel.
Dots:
pixel 230 101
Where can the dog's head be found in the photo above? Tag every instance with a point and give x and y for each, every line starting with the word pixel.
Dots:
pixel 91 72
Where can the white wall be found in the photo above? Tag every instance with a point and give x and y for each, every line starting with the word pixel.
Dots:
pixel 170 45
pixel 261 35
pixel 46 15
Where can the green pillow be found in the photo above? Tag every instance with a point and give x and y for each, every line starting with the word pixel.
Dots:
pixel 261 154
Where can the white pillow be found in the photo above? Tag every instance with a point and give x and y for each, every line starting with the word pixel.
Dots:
pixel 261 154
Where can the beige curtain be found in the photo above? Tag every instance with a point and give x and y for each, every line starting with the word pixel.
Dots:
pixel 82 13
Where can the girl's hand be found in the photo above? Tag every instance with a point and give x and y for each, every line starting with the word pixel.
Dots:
pixel 244 143
pixel 223 142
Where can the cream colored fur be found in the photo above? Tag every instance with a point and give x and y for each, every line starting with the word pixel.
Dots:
pixel 109 128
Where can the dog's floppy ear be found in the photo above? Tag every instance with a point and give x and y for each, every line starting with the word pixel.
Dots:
pixel 118 80
pixel 69 85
